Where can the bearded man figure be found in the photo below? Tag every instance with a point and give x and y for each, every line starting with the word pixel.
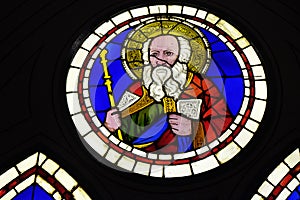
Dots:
pixel 169 111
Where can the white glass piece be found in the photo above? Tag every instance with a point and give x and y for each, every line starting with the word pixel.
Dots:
pixel 228 152
pixel 293 159
pixel 142 168
pixel 164 156
pixel 73 103
pixel 50 166
pixel 41 158
pixel 279 172
pixel 125 146
pixel 265 189
pixel 156 171
pixel 121 18
pixel 10 195
pixel 81 124
pixel 114 140
pixel 139 12
pixel 104 131
pixel 104 28
pixel 72 80
pixel 225 135
pixel 284 194
pixel 240 60
pixel 96 143
pixel 205 164
pixel 293 184
pixel 90 42
pixel 126 163
pixel 112 156
pixel 28 163
pixel 79 58
pixel 57 196
pixel 261 89
pixel 201 14
pixel 251 125
pixel 189 11
pixel 158 9
pixel 177 170
pixel 174 9
pixel 26 183
pixel 139 152
pixel 252 56
pixel 184 155
pixel 258 72
pixel 243 137
pixel 80 194
pixel 244 106
pixel 202 150
pixel 65 179
pixel 258 109
pixel 257 197
pixel 45 185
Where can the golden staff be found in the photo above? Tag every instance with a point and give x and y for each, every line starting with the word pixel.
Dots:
pixel 108 84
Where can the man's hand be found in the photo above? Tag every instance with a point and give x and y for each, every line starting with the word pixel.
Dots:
pixel 180 125
pixel 112 121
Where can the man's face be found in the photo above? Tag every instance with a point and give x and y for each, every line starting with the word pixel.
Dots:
pixel 164 51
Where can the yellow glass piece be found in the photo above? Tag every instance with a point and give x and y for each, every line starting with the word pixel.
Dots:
pixel 50 166
pixel 79 194
pixel 8 176
pixel 243 42
pixel 228 152
pixel 26 183
pixel 212 18
pixel 45 185
pixel 27 163
pixel 229 29
pixel 65 179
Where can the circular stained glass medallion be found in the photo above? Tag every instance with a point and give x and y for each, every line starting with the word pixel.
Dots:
pixel 166 91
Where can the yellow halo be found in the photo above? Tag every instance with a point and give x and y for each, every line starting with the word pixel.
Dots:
pixel 132 48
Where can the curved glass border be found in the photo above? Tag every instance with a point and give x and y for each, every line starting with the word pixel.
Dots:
pixel 125 157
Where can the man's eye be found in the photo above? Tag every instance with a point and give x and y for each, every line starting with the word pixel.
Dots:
pixel 154 54
pixel 168 53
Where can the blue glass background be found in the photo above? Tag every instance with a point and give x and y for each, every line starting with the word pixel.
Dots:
pixel 33 192
pixel 224 71
pixel 295 194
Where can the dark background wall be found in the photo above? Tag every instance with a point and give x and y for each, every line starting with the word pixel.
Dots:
pixel 38 39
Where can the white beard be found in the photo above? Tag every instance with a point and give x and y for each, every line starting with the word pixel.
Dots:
pixel 164 81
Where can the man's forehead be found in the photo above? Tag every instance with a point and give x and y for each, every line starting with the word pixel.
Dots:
pixel 164 42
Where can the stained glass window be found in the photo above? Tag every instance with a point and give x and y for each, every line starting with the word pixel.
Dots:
pixel 38 177
pixel 283 182
pixel 166 91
